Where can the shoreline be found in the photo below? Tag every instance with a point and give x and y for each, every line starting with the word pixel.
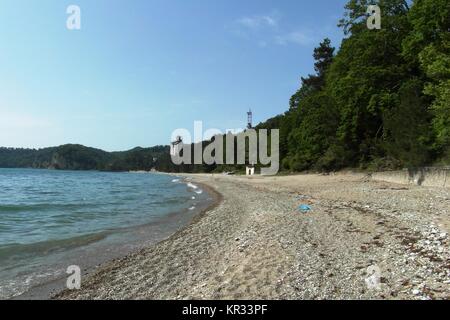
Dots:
pixel 217 198
pixel 171 225
pixel 255 244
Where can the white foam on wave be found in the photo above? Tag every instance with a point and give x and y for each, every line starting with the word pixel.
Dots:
pixel 191 185
pixel 175 180
pixel 17 286
pixel 195 188
pixel 192 208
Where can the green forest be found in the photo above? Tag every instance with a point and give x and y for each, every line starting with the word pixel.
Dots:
pixel 78 157
pixel 381 101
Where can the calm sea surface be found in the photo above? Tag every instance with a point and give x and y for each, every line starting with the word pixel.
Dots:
pixel 50 220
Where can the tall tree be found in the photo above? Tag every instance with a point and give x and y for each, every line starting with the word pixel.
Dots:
pixel 366 71
pixel 323 57
pixel 428 47
pixel 312 118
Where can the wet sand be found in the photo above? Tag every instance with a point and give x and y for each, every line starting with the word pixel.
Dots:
pixel 256 244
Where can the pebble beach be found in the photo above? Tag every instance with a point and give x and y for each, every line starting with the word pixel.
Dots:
pixel 360 239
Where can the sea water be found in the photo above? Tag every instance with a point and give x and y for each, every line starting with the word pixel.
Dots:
pixel 50 220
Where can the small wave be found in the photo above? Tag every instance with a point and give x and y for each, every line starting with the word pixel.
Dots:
pixel 192 186
pixel 175 180
pixel 193 198
pixel 46 247
pixel 195 188
pixel 40 207
pixel 165 202
pixel 192 208
pixel 19 285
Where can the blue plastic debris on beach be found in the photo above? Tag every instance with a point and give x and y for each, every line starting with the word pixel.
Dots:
pixel 304 208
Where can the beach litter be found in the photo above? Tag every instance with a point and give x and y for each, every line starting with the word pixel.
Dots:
pixel 304 208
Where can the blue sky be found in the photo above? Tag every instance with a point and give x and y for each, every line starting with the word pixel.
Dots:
pixel 139 69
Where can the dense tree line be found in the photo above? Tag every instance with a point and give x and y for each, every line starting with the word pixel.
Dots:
pixel 77 157
pixel 382 101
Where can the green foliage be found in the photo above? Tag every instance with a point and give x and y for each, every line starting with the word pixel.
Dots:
pixel 368 68
pixel 77 157
pixel 435 60
pixel 409 143
pixel 383 101
pixel 309 141
pixel 323 55
pixel 430 20
pixel 428 46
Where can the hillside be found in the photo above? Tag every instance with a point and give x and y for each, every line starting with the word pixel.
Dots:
pixel 78 157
